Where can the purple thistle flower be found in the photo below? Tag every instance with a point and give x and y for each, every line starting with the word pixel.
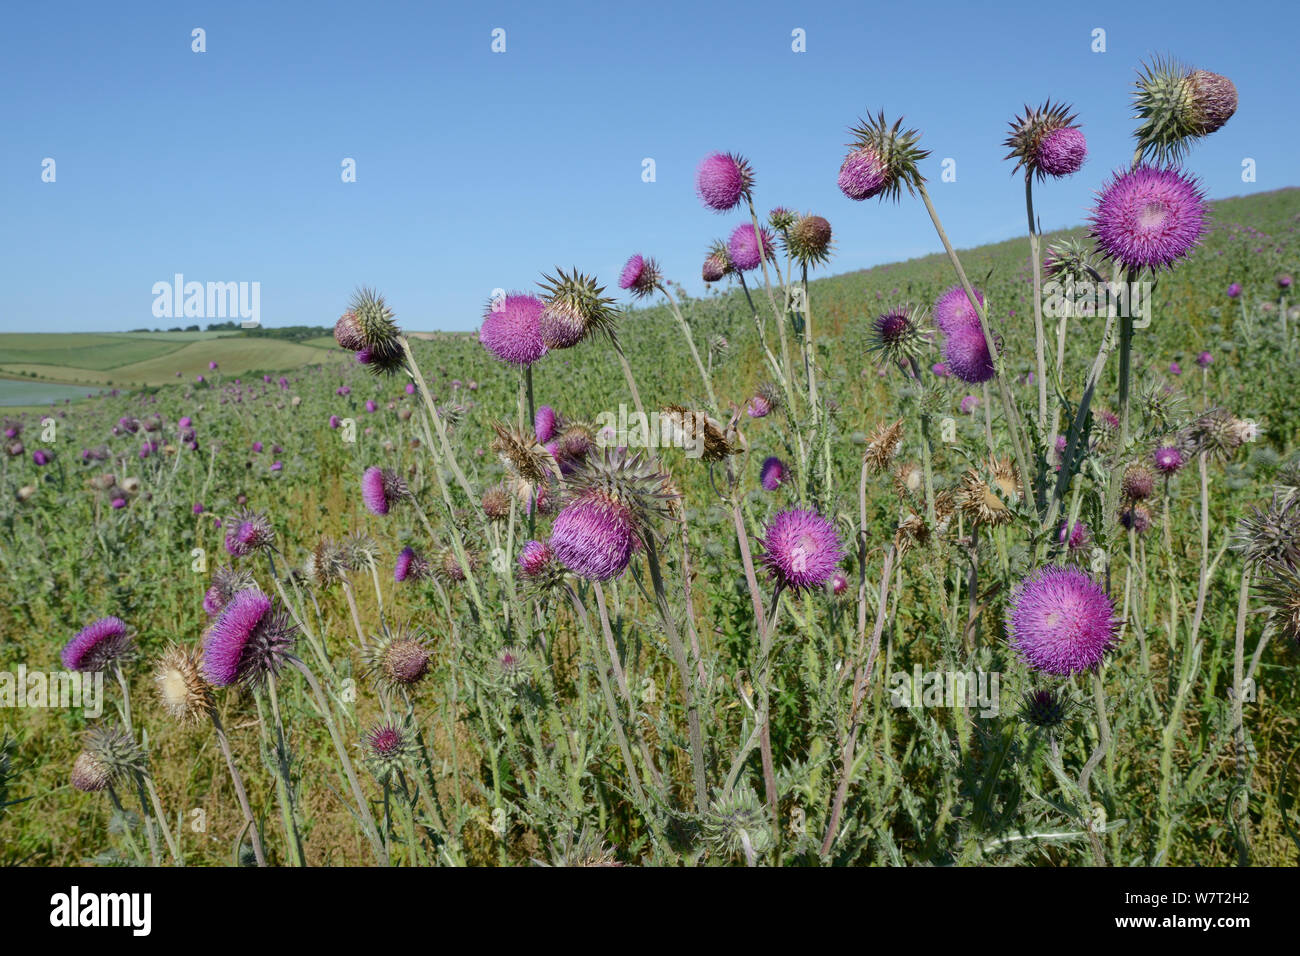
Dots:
pixel 758 407
pixel 1205 360
pixel 1234 290
pixel 839 583
pixel 1175 368
pixel 257 446
pixel 966 354
pixel 723 180
pixel 1149 217
pixel 744 249
pixel 594 536
pixel 862 174
pixel 96 646
pixel 773 473
pixel 940 369
pixel 249 532
pixel 801 549
pixel 41 457
pixel 1079 536
pixel 1168 460
pixel 117 503
pixel 408 565
pixel 212 366
pixel 640 275
pixel 534 558
pixel 1061 621
pixel 969 404
pixel 381 488
pixel 334 421
pixel 953 310
pixel 277 466
pixel 371 407
pixel 1062 151
pixel 544 424
pixel 512 330
pixel 252 638
pixel 1284 282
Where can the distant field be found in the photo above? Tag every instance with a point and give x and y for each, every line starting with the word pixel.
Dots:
pixel 30 394
pixel 125 359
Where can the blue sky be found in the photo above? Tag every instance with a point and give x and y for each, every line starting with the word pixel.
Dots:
pixel 478 170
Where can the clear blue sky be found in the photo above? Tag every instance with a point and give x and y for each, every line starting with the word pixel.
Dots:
pixel 479 170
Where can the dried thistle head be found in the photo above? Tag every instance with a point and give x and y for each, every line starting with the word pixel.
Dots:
pixel 1270 536
pixel 883 446
pixel 359 551
pixel 1216 433
pixel 326 564
pixel 909 479
pixel 181 688
pixel 913 532
pixel 496 502
pixel 448 568
pixel 521 453
pixel 986 503
pixel 1279 587
pixel 697 429
pixel 116 752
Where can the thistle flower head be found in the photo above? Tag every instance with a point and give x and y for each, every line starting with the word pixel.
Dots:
pixel 325 564
pixel 697 429
pixel 585 848
pixel 1078 537
pixel 381 488
pixel 640 276
pixel 90 774
pixel 1045 708
pixel 737 824
pixel 773 473
pixel 545 423
pixel 496 502
pixel 1136 518
pixel 747 248
pixel 512 330
pixel 1060 621
pixel 809 240
pixel 510 667
pixel 522 454
pixel 781 219
pixel 534 558
pixel 1149 217
pixel 359 551
pixel 883 446
pixel 251 639
pixel 226 582
pixel 723 180
pixel 899 335
pixel 882 160
pixel 1279 588
pixel 1138 483
pixel 1168 459
pixel 575 310
pixel 1070 261
pixel 1046 141
pixel 409 565
pixel 717 262
pixel 1216 433
pixel 801 549
pixel 986 503
pixel 108 754
pixel 389 750
pixel 953 311
pixel 1270 535
pixel 250 531
pixel 398 658
pixel 967 356
pixel 181 688
pixel 1177 105
pixel 97 645
pixel 448 567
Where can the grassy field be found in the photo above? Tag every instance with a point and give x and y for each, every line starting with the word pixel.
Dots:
pixel 540 766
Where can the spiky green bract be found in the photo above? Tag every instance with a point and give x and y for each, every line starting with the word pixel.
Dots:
pixel 389 750
pixel 808 240
pixel 1279 588
pixel 899 334
pixel 717 262
pixel 895 149
pixel 399 658
pixel 737 824
pixel 1270 535
pixel 117 750
pixel 1029 131
pixel 576 310
pixel 1164 409
pixel 1178 105
pixel 1045 708
pixel 1071 261
pixel 635 481
pixel 372 321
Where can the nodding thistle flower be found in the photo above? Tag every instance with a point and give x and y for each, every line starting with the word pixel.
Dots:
pixel 97 645
pixel 409 565
pixel 250 640
pixel 1217 433
pixel 399 658
pixel 781 219
pixel 381 488
pixel 1078 537
pixel 181 688
pixel 1177 105
pixel 367 328
pixel 809 240
pixel 640 276
pixel 1136 518
pixel 496 503
pixel 773 473
pixel 1061 621
pixel 226 582
pixel 108 754
pixel 747 248
pixel 899 335
pixel 723 180
pixel 512 330
pixel 1270 535
pixel 1168 460
pixel 882 159
pixel 533 558
pixel 546 423
pixel 1280 590
pixel 801 549
pixel 737 824
pixel 1138 483
pixel 389 750
pixel 717 262
pixel 613 500
pixel 575 310
pixel 1047 141
pixel 967 356
pixel 447 567
pixel 1045 708
pixel 250 531
pixel 1149 217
